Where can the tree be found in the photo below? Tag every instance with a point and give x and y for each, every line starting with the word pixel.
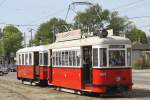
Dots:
pixel 120 25
pixel 92 16
pixel 12 40
pixel 137 35
pixel 95 15
pixel 44 34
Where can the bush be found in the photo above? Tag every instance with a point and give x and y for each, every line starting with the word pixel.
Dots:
pixel 140 64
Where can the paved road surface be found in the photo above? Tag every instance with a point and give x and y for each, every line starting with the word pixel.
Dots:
pixel 12 89
pixel 141 77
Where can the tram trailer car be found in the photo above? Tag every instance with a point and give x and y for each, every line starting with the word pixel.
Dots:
pixel 32 64
pixel 93 64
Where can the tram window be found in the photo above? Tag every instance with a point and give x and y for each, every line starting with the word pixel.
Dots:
pixel 40 59
pixel 129 56
pixel 103 57
pixel 54 59
pixel 73 56
pixel 117 58
pixel 78 57
pixel 60 58
pixel 30 59
pixel 63 58
pixel 45 58
pixel 70 58
pixel 66 58
pixel 22 59
pixel 57 58
pixel 26 59
pixel 95 57
pixel 19 60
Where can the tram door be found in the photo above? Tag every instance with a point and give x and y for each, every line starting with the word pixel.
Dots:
pixel 36 63
pixel 87 64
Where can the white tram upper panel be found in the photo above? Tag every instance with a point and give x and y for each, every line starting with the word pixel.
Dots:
pixel 41 48
pixel 112 40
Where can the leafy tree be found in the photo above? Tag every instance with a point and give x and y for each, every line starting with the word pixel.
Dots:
pixel 95 15
pixel 119 24
pixel 44 34
pixel 12 40
pixel 137 35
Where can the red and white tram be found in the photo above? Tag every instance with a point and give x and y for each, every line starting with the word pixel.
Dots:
pixel 93 64
pixel 32 64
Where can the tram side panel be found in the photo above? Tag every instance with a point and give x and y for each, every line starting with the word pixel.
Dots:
pixel 67 77
pixel 25 72
pixel 109 78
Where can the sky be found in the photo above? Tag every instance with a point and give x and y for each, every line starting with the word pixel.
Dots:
pixel 35 12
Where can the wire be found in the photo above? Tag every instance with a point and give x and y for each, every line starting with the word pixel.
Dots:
pixel 128 5
pixel 54 13
pixel 144 26
pixel 139 17
pixel 137 7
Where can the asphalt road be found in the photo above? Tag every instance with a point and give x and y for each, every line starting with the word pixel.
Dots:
pixel 12 89
pixel 141 77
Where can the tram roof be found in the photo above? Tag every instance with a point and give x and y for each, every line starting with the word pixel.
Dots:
pixel 32 49
pixel 90 41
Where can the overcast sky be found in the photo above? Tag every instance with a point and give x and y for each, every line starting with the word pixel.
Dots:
pixel 37 11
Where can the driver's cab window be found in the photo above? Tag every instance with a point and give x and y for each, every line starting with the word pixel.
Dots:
pixel 116 58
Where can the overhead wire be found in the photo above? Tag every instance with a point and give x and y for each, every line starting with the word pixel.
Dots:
pixel 54 13
pixel 128 5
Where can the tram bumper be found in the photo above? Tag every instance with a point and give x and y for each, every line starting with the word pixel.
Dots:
pixel 117 89
pixel 110 89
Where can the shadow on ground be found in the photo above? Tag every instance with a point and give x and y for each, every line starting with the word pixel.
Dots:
pixel 136 93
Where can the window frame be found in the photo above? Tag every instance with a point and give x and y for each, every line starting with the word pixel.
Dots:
pixel 120 66
pixel 68 55
pixel 97 57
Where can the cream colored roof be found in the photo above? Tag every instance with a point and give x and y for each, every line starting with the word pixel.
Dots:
pixel 32 49
pixel 89 41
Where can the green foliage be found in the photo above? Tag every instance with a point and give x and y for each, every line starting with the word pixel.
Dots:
pixel 95 15
pixel 44 34
pixel 90 16
pixel 141 66
pixel 12 40
pixel 137 35
pixel 119 24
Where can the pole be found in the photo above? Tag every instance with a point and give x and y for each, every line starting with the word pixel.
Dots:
pixel 3 49
pixel 31 30
pixel 24 39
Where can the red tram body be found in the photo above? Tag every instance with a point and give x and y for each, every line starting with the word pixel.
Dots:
pixel 93 64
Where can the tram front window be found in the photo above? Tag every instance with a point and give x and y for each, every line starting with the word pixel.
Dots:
pixel 117 58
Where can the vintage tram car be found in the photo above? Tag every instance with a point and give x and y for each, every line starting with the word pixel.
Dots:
pixel 93 64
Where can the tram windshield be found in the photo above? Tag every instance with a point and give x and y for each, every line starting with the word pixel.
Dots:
pixel 116 58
